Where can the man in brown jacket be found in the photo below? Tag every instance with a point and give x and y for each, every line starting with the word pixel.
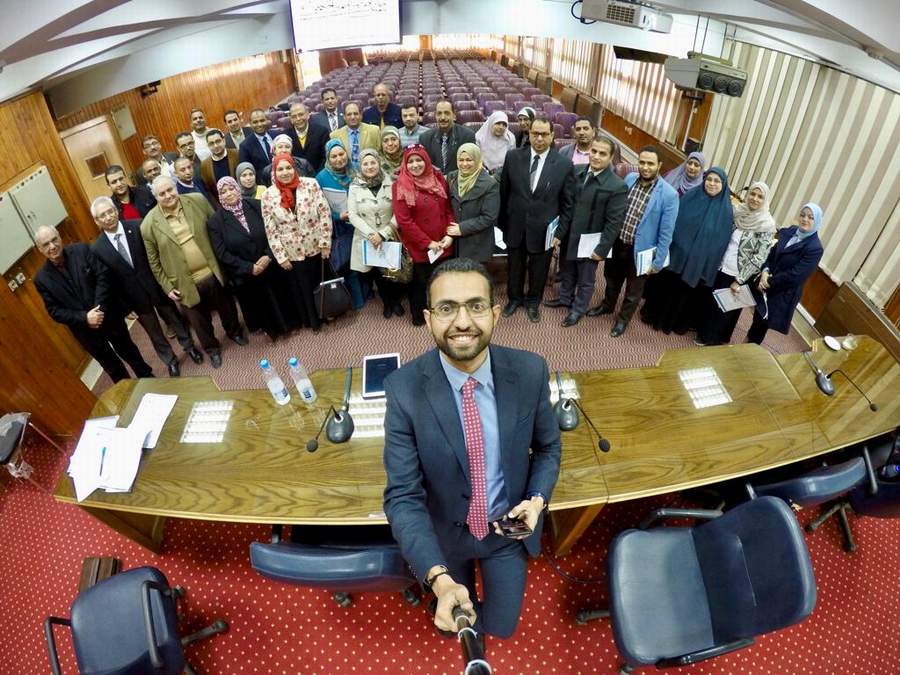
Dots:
pixel 182 260
pixel 221 162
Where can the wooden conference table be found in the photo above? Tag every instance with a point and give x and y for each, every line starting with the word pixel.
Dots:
pixel 661 441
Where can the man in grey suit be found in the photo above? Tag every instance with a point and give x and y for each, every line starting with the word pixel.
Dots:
pixel 459 425
pixel 443 141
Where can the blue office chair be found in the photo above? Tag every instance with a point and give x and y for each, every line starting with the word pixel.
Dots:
pixel 342 559
pixel 827 484
pixel 680 595
pixel 884 501
pixel 126 625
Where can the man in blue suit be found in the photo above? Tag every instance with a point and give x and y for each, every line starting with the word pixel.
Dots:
pixel 650 212
pixel 257 146
pixel 459 425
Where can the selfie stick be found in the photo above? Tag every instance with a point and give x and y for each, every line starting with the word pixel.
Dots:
pixel 472 653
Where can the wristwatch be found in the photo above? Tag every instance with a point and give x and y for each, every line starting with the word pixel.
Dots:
pixel 430 580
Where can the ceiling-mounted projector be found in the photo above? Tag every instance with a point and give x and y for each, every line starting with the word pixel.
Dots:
pixel 626 13
pixel 707 73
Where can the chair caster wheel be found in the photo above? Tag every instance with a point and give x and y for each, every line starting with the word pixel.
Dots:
pixel 342 599
pixel 411 598
pixel 220 626
pixel 179 592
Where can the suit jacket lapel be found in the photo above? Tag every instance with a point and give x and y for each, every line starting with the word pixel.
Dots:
pixel 440 398
pixel 162 225
pixel 111 256
pixel 506 391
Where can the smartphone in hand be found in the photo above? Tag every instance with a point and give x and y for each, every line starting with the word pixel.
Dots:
pixel 514 528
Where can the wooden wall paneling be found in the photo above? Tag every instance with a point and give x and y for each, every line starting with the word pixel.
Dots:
pixel 850 311
pixel 242 84
pixel 39 359
pixel 817 293
pixel 636 138
pixel 892 309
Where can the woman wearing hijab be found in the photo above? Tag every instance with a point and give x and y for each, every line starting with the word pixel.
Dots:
pixel 334 179
pixel 391 152
pixel 282 144
pixel 526 117
pixel 246 176
pixel 238 238
pixel 423 214
pixel 702 231
pixel 297 219
pixel 687 175
pixel 790 263
pixel 371 210
pixel 753 231
pixel 475 200
pixel 494 140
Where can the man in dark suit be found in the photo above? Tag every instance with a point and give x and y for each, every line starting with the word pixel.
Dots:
pixel 332 118
pixel 153 150
pixel 121 248
pixel 221 162
pixel 186 145
pixel 132 203
pixel 537 185
pixel 76 291
pixel 236 131
pixel 459 425
pixel 257 147
pixel 308 139
pixel 443 142
pixel 383 113
pixel 599 209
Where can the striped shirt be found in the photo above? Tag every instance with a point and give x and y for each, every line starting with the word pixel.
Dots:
pixel 638 198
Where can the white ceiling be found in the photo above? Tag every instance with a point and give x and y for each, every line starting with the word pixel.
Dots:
pixel 82 50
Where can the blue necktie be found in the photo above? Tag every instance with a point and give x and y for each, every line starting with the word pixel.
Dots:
pixel 354 145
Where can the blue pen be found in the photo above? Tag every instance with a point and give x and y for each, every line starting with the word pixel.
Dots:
pixel 102 459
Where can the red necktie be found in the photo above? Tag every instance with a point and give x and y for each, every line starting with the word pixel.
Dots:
pixel 477 519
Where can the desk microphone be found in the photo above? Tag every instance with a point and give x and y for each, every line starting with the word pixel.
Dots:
pixel 826 381
pixel 602 443
pixel 339 427
pixel 313 443
pixel 566 413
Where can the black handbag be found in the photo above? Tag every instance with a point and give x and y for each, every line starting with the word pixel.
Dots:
pixel 332 297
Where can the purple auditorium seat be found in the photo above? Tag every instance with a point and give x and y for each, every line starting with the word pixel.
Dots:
pixel 456 97
pixel 481 90
pixel 491 106
pixel 474 126
pixel 560 143
pixel 465 105
pixel 285 123
pixel 567 120
pixel 558 131
pixel 470 116
pixel 483 97
pixel 511 99
pixel 320 107
pixel 514 127
pixel 518 105
pixel 273 115
pixel 428 117
pixel 431 100
pixel 503 91
pixel 550 109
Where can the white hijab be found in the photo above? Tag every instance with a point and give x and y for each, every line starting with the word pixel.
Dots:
pixel 759 220
pixel 493 149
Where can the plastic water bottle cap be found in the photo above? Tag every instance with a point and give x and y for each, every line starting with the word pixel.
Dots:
pixel 292 362
pixel 264 363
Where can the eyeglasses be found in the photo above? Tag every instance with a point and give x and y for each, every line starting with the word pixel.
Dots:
pixel 447 310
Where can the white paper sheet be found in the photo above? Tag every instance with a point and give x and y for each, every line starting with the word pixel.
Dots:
pixel 151 414
pixel 728 301
pixel 498 239
pixel 434 255
pixel 587 243
pixel 388 255
pixel 645 260
pixel 122 458
pixel 552 227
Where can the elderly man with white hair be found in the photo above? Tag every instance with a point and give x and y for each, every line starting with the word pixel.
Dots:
pixel 181 258
pixel 76 290
pixel 121 248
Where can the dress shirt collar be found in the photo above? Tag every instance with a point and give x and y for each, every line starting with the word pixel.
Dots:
pixel 542 155
pixel 112 235
pixel 458 377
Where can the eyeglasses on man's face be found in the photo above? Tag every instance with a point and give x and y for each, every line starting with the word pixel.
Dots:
pixel 448 309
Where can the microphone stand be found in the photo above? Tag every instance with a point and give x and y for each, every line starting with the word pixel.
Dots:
pixel 872 405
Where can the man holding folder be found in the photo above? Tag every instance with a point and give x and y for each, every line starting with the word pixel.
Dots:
pixel 650 212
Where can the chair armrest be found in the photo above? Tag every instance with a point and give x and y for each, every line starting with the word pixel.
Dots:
pixel 51 642
pixel 704 654
pixel 149 629
pixel 658 514
pixel 870 472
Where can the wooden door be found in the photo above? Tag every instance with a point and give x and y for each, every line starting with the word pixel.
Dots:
pixel 92 147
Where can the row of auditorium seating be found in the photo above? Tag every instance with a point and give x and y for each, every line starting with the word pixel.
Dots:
pixel 476 87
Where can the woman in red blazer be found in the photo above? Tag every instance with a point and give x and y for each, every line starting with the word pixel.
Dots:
pixel 423 213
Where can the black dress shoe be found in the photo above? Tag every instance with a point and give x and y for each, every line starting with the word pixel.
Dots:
pixel 238 339
pixel 398 310
pixel 556 302
pixel 174 369
pixel 599 310
pixel 387 312
pixel 534 314
pixel 511 307
pixel 195 354
pixel 618 329
pixel 215 359
pixel 571 319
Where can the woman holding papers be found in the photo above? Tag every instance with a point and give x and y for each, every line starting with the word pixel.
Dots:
pixel 702 231
pixel 335 179
pixel 754 229
pixel 475 199
pixel 297 219
pixel 371 210
pixel 790 263
pixel 423 213
pixel 238 238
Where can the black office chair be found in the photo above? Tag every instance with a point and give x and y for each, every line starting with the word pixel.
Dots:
pixel 127 625
pixel 826 485
pixel 342 559
pixel 884 501
pixel 680 595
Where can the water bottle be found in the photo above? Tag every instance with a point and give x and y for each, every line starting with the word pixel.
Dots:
pixel 301 381
pixel 274 383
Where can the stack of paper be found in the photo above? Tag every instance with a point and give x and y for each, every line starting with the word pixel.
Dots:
pixel 729 301
pixel 387 255
pixel 645 260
